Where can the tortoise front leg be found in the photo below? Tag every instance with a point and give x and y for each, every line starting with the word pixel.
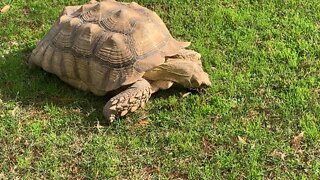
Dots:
pixel 128 101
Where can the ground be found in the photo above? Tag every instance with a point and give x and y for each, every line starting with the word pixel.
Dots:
pixel 259 120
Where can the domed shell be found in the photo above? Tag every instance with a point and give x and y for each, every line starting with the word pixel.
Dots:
pixel 103 46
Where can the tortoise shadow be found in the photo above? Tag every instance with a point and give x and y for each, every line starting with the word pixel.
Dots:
pixel 37 88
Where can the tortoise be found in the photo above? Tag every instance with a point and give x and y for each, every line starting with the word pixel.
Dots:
pixel 109 45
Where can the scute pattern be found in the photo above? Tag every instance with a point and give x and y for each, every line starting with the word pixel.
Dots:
pixel 147 38
pixel 86 38
pixel 114 51
pixel 103 46
pixel 64 37
pixel 118 22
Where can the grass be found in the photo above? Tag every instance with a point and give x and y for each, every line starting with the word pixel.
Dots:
pixel 263 60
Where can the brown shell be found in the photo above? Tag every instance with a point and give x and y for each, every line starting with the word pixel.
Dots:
pixel 103 46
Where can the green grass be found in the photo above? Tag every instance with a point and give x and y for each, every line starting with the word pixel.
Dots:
pixel 263 58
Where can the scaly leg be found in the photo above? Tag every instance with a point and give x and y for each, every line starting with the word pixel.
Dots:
pixel 128 101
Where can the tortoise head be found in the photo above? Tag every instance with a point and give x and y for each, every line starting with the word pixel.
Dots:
pixel 198 79
pixel 184 68
pixel 187 73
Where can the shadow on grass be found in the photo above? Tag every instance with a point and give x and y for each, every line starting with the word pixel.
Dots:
pixel 37 88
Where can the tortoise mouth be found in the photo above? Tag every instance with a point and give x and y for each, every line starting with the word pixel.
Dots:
pixel 199 80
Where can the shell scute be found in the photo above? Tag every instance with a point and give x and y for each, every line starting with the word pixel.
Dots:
pixel 114 50
pixel 85 38
pixel 63 38
pixel 147 38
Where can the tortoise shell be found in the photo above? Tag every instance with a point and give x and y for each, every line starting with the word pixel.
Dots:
pixel 103 46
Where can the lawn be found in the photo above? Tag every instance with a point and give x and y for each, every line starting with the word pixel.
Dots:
pixel 259 120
